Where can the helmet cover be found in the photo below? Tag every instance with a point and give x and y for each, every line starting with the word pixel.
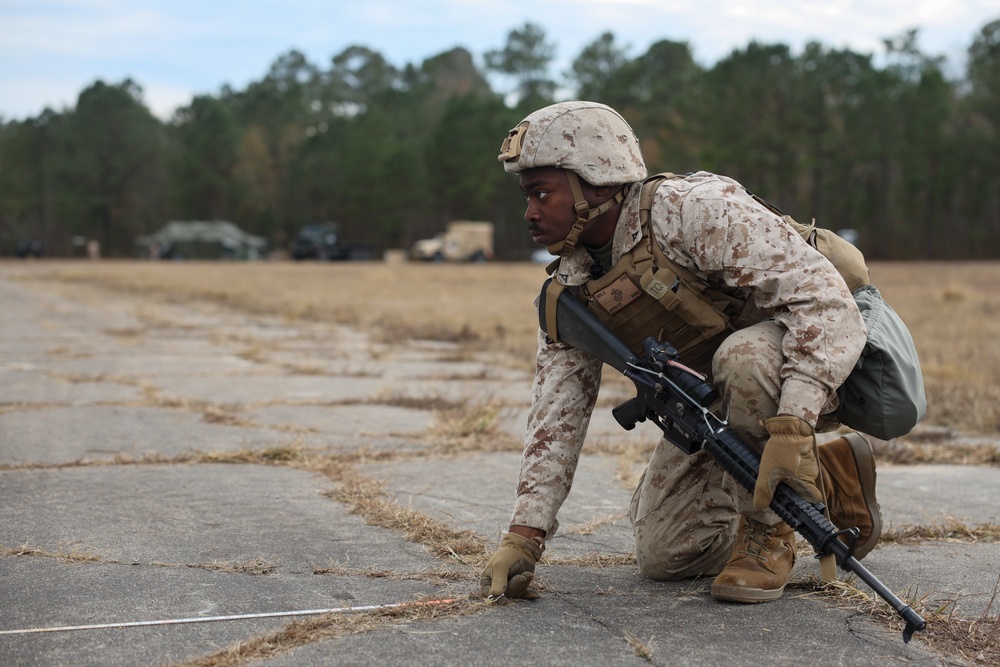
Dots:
pixel 588 138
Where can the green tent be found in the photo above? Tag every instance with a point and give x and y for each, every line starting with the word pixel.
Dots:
pixel 216 239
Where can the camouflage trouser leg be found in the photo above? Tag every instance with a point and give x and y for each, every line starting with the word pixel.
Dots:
pixel 683 515
pixel 684 509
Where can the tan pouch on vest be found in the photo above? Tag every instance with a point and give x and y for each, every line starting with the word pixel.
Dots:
pixel 680 298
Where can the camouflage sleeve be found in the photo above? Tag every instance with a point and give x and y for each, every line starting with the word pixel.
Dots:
pixel 731 238
pixel 562 400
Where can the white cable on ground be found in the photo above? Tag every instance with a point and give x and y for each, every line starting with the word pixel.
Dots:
pixel 235 617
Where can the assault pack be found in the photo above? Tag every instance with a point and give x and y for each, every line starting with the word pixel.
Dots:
pixel 884 394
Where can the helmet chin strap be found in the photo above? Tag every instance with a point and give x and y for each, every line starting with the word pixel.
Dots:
pixel 584 214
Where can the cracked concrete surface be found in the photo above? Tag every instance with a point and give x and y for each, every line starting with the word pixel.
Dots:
pixel 136 485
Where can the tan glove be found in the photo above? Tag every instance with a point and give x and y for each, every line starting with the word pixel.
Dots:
pixel 511 569
pixel 789 456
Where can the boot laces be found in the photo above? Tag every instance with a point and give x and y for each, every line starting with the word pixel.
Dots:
pixel 756 541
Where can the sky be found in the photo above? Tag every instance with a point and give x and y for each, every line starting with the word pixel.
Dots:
pixel 50 50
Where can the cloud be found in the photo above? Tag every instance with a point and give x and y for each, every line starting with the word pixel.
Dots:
pixel 52 49
pixel 88 30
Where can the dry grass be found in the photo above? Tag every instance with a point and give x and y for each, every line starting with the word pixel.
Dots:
pixel 365 498
pixel 471 428
pixel 487 305
pixel 589 527
pixel 435 576
pixel 642 649
pixel 945 530
pixel 73 555
pixel 953 312
pixel 331 626
pixel 82 378
pixel 948 633
pixel 254 566
pixel 947 448
pixel 290 453
pixel 952 309
pixel 593 559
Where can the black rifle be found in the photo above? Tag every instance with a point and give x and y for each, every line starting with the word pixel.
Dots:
pixel 676 399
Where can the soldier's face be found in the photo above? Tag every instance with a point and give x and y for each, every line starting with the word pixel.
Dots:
pixel 550 213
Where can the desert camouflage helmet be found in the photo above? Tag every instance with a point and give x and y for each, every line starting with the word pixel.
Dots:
pixel 591 142
pixel 588 138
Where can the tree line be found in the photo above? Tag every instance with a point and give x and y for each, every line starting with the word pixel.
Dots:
pixel 895 148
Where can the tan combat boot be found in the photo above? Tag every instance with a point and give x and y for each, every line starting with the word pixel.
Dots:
pixel 761 563
pixel 847 466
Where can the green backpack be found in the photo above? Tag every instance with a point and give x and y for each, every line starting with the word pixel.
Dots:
pixel 884 394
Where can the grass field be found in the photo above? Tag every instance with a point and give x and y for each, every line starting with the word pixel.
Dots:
pixel 952 309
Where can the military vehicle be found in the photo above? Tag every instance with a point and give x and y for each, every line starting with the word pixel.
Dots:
pixel 321 241
pixel 463 241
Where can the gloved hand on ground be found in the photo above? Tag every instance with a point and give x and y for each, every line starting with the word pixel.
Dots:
pixel 511 569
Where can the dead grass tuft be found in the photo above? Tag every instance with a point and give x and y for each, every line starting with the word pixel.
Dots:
pixel 254 567
pixel 642 649
pixel 393 331
pixel 125 332
pixel 155 399
pixel 214 414
pixel 293 452
pixel 330 626
pixel 593 559
pixel 472 428
pixel 427 402
pixel 74 555
pixel 430 575
pixel 305 369
pixel 589 527
pixel 944 445
pixel 7 407
pixel 947 529
pixel 976 640
pixel 957 454
pixel 365 498
pixel 83 378
pixel 476 421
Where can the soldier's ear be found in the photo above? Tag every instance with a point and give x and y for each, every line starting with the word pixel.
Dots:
pixel 602 193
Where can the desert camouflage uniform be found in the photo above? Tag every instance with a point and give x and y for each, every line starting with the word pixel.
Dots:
pixel 684 507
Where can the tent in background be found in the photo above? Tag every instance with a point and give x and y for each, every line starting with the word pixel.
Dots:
pixel 216 239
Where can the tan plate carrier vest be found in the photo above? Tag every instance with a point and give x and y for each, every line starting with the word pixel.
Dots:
pixel 646 294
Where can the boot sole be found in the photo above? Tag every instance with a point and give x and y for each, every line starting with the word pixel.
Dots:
pixel 745 595
pixel 861 449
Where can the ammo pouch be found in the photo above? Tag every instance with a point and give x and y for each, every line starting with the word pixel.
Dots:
pixel 884 394
pixel 637 300
pixel 684 299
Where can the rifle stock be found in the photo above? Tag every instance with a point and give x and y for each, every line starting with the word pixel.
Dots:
pixel 677 399
pixel 580 329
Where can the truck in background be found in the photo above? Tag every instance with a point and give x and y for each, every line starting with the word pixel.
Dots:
pixel 321 241
pixel 462 241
